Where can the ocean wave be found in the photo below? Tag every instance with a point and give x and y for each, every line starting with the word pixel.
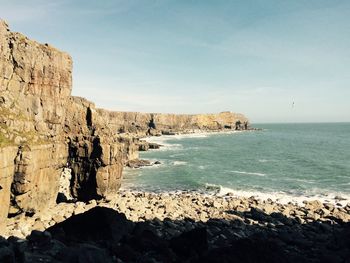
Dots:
pixel 164 138
pixel 179 163
pixel 169 147
pixel 176 155
pixel 201 167
pixel 300 180
pixel 282 197
pixel 247 173
pixel 192 136
pixel 264 160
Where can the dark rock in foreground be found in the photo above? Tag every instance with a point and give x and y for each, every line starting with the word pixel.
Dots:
pixel 97 224
pixel 104 235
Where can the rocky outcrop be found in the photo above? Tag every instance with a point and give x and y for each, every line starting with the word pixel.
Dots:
pixel 35 84
pixel 45 131
pixel 95 152
pixel 7 167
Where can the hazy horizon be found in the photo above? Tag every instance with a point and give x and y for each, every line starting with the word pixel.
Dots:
pixel 273 61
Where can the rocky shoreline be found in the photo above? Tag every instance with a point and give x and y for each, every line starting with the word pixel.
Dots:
pixel 61 168
pixel 45 130
pixel 314 232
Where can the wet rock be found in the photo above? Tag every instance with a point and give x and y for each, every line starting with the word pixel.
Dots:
pixel 153 145
pixel 138 163
pixel 143 146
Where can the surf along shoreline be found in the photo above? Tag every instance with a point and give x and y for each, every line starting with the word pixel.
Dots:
pixel 159 143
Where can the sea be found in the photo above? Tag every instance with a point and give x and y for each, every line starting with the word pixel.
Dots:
pixel 282 162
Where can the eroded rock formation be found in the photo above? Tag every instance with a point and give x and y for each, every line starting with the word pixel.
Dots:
pixel 35 85
pixel 43 130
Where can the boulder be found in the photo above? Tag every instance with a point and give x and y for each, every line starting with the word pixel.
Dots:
pixel 97 224
pixel 138 163
pixel 191 243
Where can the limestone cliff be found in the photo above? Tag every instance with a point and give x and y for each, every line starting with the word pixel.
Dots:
pixel 158 123
pixel 43 129
pixel 35 84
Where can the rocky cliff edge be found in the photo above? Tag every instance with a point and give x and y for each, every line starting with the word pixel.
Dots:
pixel 43 130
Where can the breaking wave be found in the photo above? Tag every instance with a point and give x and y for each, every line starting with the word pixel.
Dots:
pixel 248 173
pixel 280 197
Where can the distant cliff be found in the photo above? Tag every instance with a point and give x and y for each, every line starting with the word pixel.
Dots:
pixel 158 123
pixel 44 129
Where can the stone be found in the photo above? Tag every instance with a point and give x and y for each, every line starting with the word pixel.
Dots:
pixel 268 208
pixel 138 163
pixel 188 243
pixel 92 254
pixel 257 214
pixel 39 238
pixel 7 255
pixel 38 225
pixel 217 204
pixel 313 205
pixel 99 223
pixel 58 218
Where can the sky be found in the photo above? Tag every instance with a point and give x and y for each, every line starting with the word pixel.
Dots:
pixel 253 57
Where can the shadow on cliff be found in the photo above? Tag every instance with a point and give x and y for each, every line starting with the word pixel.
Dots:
pixel 104 235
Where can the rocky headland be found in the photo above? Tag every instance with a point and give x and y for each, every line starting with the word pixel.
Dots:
pixel 61 168
pixel 43 130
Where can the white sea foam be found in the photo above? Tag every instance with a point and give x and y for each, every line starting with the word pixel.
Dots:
pixel 202 167
pixel 264 160
pixel 282 197
pixel 164 138
pixel 195 135
pixel 248 173
pixel 192 136
pixel 177 154
pixel 179 163
pixel 167 146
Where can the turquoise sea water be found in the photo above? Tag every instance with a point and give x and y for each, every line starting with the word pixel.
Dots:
pixel 282 161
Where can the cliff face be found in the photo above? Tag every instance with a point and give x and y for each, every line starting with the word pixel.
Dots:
pixel 95 153
pixel 35 84
pixel 44 129
pixel 157 123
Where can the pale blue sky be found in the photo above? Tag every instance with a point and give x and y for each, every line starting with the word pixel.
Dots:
pixel 254 57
